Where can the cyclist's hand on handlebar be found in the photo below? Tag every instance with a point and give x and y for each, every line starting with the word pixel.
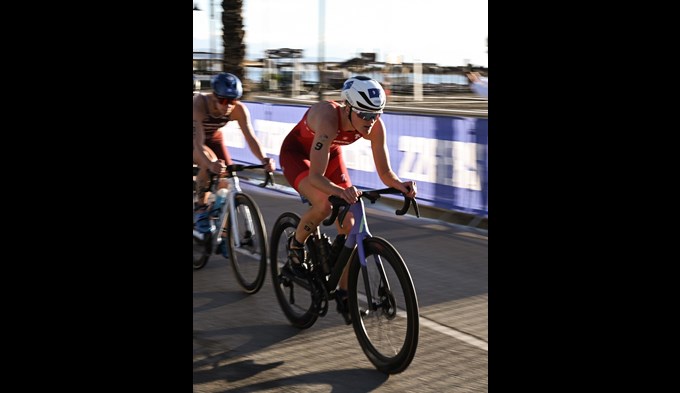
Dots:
pixel 216 167
pixel 350 194
pixel 269 164
pixel 408 188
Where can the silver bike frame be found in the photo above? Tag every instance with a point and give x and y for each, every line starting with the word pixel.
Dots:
pixel 228 206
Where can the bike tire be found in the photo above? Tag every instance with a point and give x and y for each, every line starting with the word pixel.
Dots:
pixel 293 294
pixel 202 251
pixel 249 261
pixel 389 335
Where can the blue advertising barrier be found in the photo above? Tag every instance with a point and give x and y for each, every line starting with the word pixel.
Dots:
pixel 446 155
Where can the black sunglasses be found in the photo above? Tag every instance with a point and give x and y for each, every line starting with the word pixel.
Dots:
pixel 225 100
pixel 368 116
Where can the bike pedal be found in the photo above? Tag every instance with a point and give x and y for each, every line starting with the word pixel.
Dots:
pixel 347 318
pixel 221 249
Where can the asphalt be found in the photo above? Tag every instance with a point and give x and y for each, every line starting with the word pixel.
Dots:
pixel 244 343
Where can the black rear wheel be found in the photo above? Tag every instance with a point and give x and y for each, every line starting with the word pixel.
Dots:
pixel 201 242
pixel 293 294
pixel 202 249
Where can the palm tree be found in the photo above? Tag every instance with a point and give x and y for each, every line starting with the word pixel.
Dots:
pixel 232 37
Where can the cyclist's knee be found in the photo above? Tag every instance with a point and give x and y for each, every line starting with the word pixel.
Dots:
pixel 322 209
pixel 209 153
pixel 347 224
pixel 203 177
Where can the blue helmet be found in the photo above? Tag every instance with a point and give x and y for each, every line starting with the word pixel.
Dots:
pixel 226 85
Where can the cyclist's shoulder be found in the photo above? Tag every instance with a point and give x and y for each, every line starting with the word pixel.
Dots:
pixel 199 102
pixel 240 109
pixel 324 106
pixel 323 111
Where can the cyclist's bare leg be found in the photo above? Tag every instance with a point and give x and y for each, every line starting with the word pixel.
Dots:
pixel 203 176
pixel 341 295
pixel 319 210
pixel 347 224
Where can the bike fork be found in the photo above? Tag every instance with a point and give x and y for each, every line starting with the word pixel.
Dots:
pixel 233 219
pixel 364 271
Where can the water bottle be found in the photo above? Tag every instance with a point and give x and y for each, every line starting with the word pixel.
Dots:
pixel 220 199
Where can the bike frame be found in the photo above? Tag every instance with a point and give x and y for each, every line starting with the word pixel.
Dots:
pixel 371 304
pixel 355 240
pixel 233 189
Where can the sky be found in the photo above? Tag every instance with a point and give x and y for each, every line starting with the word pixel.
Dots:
pixel 445 32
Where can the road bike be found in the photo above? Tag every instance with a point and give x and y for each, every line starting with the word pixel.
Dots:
pixel 383 306
pixel 237 229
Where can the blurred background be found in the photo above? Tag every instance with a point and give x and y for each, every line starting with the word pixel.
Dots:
pixel 304 49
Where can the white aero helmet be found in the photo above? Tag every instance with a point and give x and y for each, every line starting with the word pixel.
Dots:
pixel 364 93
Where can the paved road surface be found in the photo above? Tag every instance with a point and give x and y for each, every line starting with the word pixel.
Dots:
pixel 244 343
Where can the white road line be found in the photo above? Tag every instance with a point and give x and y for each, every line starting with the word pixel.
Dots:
pixel 474 341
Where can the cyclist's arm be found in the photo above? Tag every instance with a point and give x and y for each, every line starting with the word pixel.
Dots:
pixel 381 157
pixel 242 116
pixel 323 119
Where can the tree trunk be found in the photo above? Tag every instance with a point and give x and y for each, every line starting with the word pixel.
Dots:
pixel 232 38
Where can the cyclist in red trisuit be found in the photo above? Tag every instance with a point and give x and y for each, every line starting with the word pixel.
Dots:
pixel 312 162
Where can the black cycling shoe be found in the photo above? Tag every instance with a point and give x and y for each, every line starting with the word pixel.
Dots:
pixel 296 270
pixel 296 258
pixel 343 305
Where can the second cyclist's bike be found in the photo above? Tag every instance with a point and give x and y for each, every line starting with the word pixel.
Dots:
pixel 383 306
pixel 237 230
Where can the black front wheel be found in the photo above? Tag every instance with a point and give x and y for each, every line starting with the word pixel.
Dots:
pixel 388 326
